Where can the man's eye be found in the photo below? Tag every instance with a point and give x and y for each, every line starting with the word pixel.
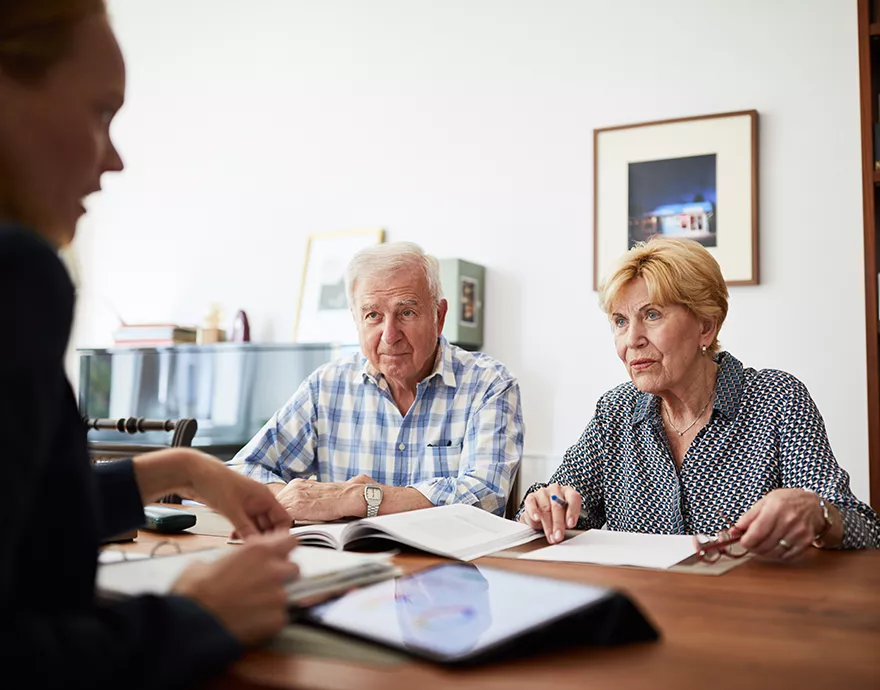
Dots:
pixel 409 312
pixel 372 316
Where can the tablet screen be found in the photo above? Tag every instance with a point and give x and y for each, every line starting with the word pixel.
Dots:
pixel 454 611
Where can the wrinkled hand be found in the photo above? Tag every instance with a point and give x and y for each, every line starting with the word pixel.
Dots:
pixel 304 499
pixel 245 590
pixel 250 506
pixel 541 512
pixel 362 479
pixel 790 515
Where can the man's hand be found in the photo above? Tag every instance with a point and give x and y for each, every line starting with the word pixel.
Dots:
pixel 362 479
pixel 304 499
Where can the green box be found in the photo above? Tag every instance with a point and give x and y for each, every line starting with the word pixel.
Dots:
pixel 463 287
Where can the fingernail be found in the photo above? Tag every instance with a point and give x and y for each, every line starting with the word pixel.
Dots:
pixel 534 516
pixel 557 536
pixel 571 522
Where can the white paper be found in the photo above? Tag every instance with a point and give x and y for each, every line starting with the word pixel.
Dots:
pixel 157 575
pixel 607 547
pixel 457 530
pixel 116 555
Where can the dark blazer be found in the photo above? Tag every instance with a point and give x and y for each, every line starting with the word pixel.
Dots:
pixel 55 508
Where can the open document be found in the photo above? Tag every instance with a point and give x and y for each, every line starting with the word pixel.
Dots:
pixel 321 572
pixel 619 548
pixel 456 531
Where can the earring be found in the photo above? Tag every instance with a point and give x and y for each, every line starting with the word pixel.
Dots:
pixel 704 350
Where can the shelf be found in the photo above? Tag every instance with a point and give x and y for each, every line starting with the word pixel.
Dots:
pixel 874 29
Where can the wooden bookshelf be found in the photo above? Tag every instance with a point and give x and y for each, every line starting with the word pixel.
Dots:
pixel 869 88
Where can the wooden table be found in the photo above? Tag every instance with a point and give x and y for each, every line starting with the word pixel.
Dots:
pixel 814 624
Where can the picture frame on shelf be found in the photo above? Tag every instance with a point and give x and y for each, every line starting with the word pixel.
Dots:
pixel 322 313
pixel 692 177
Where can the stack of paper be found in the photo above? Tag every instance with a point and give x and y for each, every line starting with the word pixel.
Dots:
pixel 321 572
pixel 619 548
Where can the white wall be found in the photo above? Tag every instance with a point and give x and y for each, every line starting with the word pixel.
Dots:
pixel 467 126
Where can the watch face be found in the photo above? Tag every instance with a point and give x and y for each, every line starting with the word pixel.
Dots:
pixel 373 493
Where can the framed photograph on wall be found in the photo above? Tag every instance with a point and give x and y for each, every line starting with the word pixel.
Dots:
pixel 692 177
pixel 322 314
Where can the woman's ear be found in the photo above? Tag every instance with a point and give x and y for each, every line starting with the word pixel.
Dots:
pixel 709 330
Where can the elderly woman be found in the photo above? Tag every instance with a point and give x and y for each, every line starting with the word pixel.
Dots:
pixel 697 440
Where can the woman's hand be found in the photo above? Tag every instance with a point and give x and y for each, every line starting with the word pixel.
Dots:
pixel 245 590
pixel 250 506
pixel 542 512
pixel 783 524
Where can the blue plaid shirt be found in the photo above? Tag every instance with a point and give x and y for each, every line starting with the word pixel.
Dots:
pixel 460 442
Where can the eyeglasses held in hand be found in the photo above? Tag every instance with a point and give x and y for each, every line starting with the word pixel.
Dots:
pixel 712 547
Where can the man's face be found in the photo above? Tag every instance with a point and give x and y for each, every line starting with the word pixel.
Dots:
pixel 398 324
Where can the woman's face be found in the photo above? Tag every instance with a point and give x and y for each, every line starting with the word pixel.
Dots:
pixel 661 346
pixel 55 134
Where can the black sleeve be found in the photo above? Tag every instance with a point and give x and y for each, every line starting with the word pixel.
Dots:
pixel 35 308
pixel 144 642
pixel 56 633
pixel 119 498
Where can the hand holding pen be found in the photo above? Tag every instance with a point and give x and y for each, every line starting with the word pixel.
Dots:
pixel 553 509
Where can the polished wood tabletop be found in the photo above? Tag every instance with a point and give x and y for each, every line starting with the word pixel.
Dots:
pixel 811 624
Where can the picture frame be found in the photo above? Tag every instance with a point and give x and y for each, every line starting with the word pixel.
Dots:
pixel 672 177
pixel 322 313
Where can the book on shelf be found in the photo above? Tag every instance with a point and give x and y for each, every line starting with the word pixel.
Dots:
pixel 322 572
pixel 458 531
pixel 154 334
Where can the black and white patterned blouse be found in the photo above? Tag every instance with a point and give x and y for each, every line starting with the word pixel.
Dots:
pixel 765 433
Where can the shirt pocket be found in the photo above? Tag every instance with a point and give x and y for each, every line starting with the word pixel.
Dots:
pixel 442 458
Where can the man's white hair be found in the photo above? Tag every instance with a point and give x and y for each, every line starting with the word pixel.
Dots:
pixel 385 259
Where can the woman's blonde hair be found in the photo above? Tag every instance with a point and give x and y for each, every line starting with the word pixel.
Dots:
pixel 676 272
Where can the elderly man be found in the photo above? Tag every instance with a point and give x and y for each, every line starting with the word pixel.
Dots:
pixel 411 423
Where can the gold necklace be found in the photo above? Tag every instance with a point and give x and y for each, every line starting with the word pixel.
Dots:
pixel 696 419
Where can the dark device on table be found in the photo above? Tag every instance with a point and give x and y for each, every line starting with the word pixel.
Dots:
pixel 462 614
pixel 167 520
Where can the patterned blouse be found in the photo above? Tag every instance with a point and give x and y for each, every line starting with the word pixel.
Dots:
pixel 765 433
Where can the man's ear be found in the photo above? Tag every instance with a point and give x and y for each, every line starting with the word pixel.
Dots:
pixel 442 308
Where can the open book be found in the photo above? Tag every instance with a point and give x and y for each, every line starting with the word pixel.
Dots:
pixel 321 572
pixel 456 531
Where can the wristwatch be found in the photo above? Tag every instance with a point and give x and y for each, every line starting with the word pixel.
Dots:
pixel 373 497
pixel 826 516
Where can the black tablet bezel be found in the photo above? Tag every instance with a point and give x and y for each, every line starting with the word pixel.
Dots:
pixel 482 653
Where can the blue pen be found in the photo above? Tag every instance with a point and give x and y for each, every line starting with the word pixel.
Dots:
pixel 564 504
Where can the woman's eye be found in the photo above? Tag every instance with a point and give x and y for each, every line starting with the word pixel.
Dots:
pixel 620 322
pixel 652 315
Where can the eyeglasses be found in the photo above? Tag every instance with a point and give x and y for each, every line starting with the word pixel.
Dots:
pixel 712 547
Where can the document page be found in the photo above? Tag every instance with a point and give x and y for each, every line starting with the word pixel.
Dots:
pixel 606 547
pixel 457 531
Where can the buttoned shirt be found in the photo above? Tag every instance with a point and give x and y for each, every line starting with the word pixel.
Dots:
pixel 460 442
pixel 764 433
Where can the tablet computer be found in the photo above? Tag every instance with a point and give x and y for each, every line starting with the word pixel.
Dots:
pixel 459 613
